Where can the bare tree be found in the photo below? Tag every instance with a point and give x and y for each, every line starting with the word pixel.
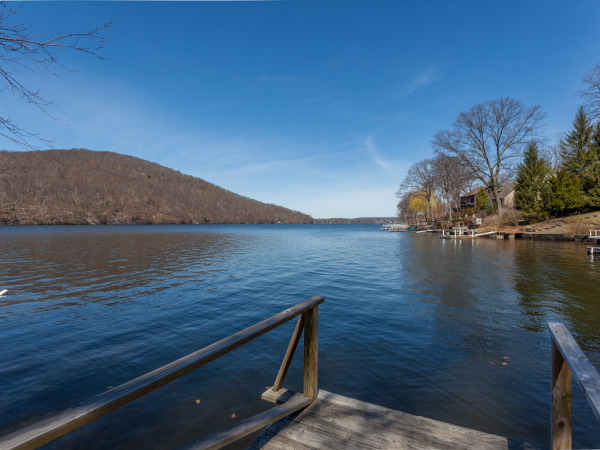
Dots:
pixel 21 49
pixel 403 207
pixel 591 92
pixel 489 138
pixel 421 177
pixel 453 179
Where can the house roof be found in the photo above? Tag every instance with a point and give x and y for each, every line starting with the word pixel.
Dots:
pixel 506 189
pixel 472 192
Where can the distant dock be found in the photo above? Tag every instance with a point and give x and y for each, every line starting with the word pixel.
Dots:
pixel 394 227
pixel 464 234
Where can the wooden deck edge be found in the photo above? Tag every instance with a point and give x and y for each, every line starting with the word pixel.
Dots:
pixel 225 437
pixel 365 406
pixel 282 395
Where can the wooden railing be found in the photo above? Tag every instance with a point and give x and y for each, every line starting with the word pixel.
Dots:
pixel 568 360
pixel 49 429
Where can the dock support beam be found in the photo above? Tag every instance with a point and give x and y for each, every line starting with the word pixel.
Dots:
pixel 561 400
pixel 311 350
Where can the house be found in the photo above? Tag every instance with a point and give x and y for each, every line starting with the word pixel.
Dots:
pixel 468 200
pixel 506 193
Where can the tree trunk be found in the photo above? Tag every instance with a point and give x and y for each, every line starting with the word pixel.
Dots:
pixel 497 198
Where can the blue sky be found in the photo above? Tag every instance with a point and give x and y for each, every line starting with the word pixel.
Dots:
pixel 320 106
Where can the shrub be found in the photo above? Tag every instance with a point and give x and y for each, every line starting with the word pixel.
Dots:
pixel 511 216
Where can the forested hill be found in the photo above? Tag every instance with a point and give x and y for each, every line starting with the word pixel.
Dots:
pixel 90 187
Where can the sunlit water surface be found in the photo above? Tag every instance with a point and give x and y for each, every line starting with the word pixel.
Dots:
pixel 450 330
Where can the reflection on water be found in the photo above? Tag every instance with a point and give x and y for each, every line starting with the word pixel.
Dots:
pixel 452 330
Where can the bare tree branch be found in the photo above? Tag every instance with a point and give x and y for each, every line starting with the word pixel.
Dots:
pixel 453 178
pixel 591 92
pixel 489 137
pixel 23 50
pixel 421 177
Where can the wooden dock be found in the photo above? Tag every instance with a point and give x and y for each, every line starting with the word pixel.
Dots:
pixel 317 419
pixel 335 422
pixel 469 234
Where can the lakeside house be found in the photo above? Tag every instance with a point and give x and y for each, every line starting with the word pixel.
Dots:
pixel 468 200
pixel 506 193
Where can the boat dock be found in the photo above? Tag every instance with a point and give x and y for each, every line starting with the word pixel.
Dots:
pixel 316 419
pixel 394 227
pixel 466 234
pixel 335 422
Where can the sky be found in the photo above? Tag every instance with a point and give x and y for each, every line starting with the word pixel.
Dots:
pixel 320 106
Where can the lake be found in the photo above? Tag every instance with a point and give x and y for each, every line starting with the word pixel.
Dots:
pixel 451 330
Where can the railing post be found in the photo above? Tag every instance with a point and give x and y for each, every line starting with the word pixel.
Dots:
pixel 289 354
pixel 561 400
pixel 311 352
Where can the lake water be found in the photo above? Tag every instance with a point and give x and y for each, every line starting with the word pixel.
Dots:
pixel 451 330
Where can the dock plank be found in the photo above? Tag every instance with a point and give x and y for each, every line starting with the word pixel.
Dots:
pixel 334 421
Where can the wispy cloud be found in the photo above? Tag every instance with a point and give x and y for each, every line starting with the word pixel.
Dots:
pixel 422 79
pixel 376 157
pixel 279 79
pixel 322 176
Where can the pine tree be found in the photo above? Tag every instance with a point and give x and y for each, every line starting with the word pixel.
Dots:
pixel 532 182
pixel 563 194
pixel 596 137
pixel 579 140
pixel 580 156
pixel 481 200
pixel 593 193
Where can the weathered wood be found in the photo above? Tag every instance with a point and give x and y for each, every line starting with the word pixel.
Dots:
pixel 289 354
pixel 314 438
pixel 280 396
pixel 225 437
pixel 271 440
pixel 584 373
pixel 334 421
pixel 568 360
pixel 311 352
pixel 390 428
pixel 561 401
pixel 49 429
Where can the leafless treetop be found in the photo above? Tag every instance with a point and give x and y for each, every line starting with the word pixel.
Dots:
pixel 591 92
pixel 22 49
pixel 490 137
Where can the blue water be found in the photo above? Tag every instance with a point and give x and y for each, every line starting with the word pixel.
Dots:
pixel 451 330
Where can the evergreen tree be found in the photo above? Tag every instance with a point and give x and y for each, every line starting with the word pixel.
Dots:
pixel 579 140
pixel 596 137
pixel 593 192
pixel 532 182
pixel 580 156
pixel 563 194
pixel 481 200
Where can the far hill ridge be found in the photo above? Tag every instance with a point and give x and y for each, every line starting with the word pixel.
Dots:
pixel 97 187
